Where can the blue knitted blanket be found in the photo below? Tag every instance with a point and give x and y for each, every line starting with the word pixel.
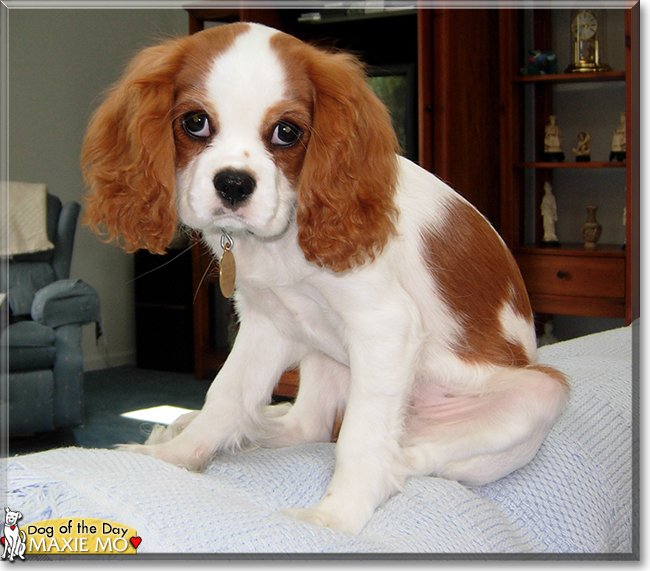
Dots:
pixel 575 497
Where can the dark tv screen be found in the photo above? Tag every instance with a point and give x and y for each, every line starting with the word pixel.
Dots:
pixel 395 85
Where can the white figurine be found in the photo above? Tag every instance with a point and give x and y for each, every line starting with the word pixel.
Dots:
pixel 553 141
pixel 547 338
pixel 549 216
pixel 619 144
pixel 583 150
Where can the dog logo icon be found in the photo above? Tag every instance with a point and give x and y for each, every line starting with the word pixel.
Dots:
pixel 13 538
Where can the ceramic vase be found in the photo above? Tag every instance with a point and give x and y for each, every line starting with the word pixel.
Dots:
pixel 591 229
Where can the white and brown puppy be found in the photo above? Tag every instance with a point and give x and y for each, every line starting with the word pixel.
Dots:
pixel 399 302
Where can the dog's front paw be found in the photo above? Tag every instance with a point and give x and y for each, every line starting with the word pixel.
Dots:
pixel 160 433
pixel 145 449
pixel 194 460
pixel 323 518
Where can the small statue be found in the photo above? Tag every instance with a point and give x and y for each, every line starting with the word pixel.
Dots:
pixel 540 63
pixel 549 217
pixel 583 150
pixel 619 144
pixel 591 229
pixel 553 141
pixel 547 338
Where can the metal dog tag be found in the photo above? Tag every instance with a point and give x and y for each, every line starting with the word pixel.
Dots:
pixel 227 268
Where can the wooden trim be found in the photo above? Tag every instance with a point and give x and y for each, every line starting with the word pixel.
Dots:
pixel 509 132
pixel 466 121
pixel 199 16
pixel 440 92
pixel 632 114
pixel 267 16
pixel 579 306
pixel 573 165
pixel 425 88
pixel 573 249
pixel 572 77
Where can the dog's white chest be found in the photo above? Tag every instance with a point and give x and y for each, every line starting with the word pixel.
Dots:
pixel 302 313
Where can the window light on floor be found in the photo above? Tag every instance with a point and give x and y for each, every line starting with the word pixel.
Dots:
pixel 163 414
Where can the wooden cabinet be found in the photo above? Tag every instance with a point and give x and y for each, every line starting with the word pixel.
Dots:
pixel 571 280
pixel 164 311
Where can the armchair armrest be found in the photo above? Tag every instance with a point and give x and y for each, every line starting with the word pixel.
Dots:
pixel 66 301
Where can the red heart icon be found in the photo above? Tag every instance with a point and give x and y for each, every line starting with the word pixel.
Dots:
pixel 135 541
pixel 13 527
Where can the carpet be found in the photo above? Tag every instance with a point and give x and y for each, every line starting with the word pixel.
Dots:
pixel 107 394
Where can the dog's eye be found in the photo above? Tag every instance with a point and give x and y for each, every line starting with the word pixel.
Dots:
pixel 285 134
pixel 197 125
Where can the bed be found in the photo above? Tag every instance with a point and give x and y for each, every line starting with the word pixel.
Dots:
pixel 577 497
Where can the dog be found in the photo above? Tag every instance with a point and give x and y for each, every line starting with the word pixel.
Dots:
pixel 400 304
pixel 13 541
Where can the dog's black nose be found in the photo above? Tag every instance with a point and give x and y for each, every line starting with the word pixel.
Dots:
pixel 234 186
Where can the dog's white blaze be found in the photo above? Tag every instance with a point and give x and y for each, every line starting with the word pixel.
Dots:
pixel 230 88
pixel 247 76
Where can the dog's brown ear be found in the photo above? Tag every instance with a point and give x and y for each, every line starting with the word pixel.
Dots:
pixel 128 155
pixel 346 210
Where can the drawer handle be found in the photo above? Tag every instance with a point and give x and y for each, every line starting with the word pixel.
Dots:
pixel 561 274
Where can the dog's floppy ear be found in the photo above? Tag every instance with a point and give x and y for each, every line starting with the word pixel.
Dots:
pixel 346 210
pixel 128 155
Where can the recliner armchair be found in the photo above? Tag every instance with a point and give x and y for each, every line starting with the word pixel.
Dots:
pixel 47 311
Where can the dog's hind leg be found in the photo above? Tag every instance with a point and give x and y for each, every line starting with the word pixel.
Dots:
pixel 320 401
pixel 478 438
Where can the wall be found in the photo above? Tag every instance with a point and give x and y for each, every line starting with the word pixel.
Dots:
pixel 60 61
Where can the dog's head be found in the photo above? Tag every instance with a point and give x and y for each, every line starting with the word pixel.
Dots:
pixel 246 129
pixel 12 517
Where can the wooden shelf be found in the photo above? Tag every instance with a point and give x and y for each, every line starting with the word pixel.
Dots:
pixel 573 165
pixel 324 16
pixel 573 249
pixel 568 280
pixel 572 77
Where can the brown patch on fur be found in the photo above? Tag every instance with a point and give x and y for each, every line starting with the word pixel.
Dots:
pixel 188 148
pixel 346 211
pixel 476 276
pixel 129 155
pixel 298 112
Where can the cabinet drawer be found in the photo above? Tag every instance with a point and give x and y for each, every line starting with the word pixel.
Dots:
pixel 579 276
